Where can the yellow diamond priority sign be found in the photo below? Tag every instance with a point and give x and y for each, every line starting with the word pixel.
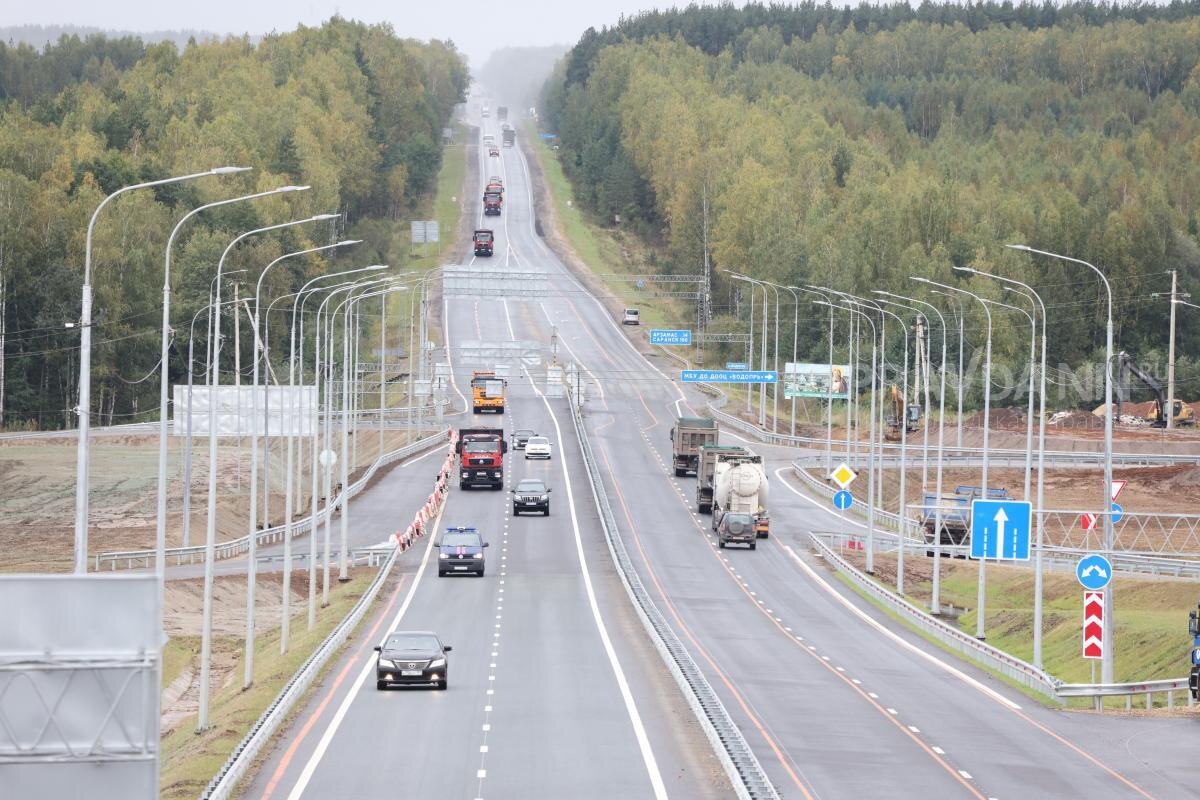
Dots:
pixel 843 476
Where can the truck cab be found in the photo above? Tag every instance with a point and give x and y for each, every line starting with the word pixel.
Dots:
pixel 481 457
pixel 483 241
pixel 487 392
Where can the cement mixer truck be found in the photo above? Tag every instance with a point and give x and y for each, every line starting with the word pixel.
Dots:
pixel 740 497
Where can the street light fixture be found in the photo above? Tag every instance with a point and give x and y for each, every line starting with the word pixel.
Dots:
pixel 935 607
pixel 987 413
pixel 84 409
pixel 211 524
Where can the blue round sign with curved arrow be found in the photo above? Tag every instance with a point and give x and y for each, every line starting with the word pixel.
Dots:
pixel 1094 572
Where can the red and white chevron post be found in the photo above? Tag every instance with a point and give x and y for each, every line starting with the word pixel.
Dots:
pixel 1093 624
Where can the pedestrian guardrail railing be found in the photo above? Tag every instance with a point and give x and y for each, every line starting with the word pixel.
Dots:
pixel 738 760
pixel 134 559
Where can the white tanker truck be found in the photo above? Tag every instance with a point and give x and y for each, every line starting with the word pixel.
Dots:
pixel 739 510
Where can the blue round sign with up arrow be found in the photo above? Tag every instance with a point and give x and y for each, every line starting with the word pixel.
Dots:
pixel 1094 572
pixel 843 500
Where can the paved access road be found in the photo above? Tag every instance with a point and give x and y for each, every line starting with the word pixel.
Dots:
pixel 555 690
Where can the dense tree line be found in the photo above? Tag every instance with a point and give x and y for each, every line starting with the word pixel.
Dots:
pixel 856 147
pixel 352 110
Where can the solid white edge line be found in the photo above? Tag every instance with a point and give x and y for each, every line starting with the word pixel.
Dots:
pixel 862 615
pixel 635 718
pixel 331 730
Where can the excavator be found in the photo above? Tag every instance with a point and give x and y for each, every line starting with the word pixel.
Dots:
pixel 911 414
pixel 1181 411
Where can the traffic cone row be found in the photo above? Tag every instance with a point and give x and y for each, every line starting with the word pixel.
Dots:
pixel 433 504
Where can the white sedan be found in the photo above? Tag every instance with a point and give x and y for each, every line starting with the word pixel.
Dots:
pixel 537 447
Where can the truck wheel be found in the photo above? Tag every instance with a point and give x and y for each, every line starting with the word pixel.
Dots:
pixel 547 511
pixel 462 484
pixel 679 473
pixel 380 685
pixel 754 545
pixel 721 543
pixel 474 409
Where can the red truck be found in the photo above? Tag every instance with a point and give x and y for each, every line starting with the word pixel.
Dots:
pixel 483 240
pixel 481 460
pixel 491 203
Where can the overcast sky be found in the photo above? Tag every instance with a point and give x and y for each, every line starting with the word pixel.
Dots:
pixel 476 26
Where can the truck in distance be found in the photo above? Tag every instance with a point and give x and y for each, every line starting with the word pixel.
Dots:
pixel 491 204
pixel 955 514
pixel 483 240
pixel 487 392
pixel 740 486
pixel 509 136
pixel 502 113
pixel 481 457
pixel 707 462
pixel 687 437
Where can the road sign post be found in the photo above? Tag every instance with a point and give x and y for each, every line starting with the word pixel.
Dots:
pixel 1093 625
pixel 1000 529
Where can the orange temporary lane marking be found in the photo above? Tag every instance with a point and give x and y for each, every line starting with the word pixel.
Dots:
pixel 320 709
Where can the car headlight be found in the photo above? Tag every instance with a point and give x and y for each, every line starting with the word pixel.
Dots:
pixel 545 497
pixel 1196 656
pixel 466 474
pixel 497 473
pixel 437 663
pixel 479 555
pixel 383 662
pixel 443 555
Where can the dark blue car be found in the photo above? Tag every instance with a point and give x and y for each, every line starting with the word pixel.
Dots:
pixel 460 552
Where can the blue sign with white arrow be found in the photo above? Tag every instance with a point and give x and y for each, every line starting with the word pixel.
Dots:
pixel 665 336
pixel 1117 513
pixel 843 500
pixel 726 376
pixel 1000 529
pixel 1094 572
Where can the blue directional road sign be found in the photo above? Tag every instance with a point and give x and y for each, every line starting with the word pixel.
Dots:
pixel 1000 529
pixel 664 336
pixel 1094 572
pixel 726 376
pixel 736 365
pixel 1117 513
pixel 843 500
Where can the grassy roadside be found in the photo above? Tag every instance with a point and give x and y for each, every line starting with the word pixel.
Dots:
pixel 1151 620
pixel 189 760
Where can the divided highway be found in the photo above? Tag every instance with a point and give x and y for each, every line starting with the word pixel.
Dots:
pixel 555 690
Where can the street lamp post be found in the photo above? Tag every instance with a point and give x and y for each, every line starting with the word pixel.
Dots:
pixel 259 347
pixel 935 602
pixel 84 409
pixel 211 524
pixel 160 531
pixel 902 530
pixel 1106 663
pixel 987 413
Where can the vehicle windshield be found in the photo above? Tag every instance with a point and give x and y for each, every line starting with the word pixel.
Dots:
pixel 538 440
pixel 412 641
pixel 531 487
pixel 480 447
pixel 523 432
pixel 461 540
pixel 631 312
pixel 483 237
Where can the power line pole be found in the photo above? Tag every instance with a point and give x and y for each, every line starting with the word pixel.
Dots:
pixel 1170 409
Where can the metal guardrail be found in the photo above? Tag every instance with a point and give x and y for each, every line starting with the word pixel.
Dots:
pixel 1018 670
pixel 740 764
pixel 1077 458
pixel 106 430
pixel 263 730
pixel 131 559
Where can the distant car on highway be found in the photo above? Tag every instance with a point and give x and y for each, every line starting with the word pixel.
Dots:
pixel 460 551
pixel 531 495
pixel 631 317
pixel 521 436
pixel 537 447
pixel 412 657
pixel 493 150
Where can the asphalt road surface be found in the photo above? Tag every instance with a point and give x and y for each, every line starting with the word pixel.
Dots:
pixel 554 689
